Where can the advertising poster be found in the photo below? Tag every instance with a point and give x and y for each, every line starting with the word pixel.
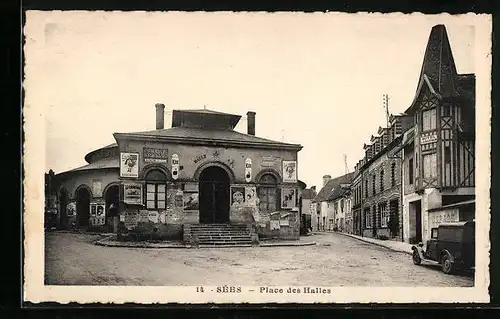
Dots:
pixel 290 171
pixel 155 155
pixel 251 196
pixel 129 165
pixel 288 197
pixel 248 170
pixel 71 209
pixel 175 166
pixel 237 195
pixel 96 188
pixel 132 193
pixel 191 201
pixel 275 224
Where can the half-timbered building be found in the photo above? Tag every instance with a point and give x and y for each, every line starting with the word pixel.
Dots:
pixel 439 150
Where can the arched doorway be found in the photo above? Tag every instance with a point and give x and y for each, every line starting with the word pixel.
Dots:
pixel 112 197
pixel 63 204
pixel 82 207
pixel 214 195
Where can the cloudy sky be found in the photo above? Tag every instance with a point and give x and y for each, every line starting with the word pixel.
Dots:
pixel 314 79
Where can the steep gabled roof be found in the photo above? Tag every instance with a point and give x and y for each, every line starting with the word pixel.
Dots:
pixel 331 187
pixel 308 194
pixel 438 70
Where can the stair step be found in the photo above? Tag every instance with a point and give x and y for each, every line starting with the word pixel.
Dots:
pixel 225 242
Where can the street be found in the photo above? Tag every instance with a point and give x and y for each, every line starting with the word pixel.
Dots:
pixel 336 260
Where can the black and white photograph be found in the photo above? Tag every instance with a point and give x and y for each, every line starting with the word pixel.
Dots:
pixel 256 157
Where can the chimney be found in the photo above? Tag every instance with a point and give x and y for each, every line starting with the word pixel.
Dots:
pixel 160 116
pixel 326 179
pixel 250 123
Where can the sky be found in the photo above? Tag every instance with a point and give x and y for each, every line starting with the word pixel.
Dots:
pixel 313 78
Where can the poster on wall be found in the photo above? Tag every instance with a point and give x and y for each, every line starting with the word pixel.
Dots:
pixel 248 170
pixel 132 193
pixel 289 171
pixel 191 201
pixel 129 164
pixel 175 166
pixel 251 196
pixel 155 155
pixel 288 197
pixel 237 195
pixel 96 188
pixel 274 224
pixel 71 209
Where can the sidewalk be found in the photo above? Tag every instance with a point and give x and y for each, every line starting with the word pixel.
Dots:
pixel 390 244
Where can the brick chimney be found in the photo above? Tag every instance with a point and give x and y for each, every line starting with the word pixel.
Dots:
pixel 250 123
pixel 160 116
pixel 326 179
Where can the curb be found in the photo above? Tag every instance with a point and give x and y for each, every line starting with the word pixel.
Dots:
pixel 78 232
pixel 377 244
pixel 106 243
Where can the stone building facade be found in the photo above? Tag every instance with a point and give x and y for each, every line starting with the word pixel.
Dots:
pixel 199 171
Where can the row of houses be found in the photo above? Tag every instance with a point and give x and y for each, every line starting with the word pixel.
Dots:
pixel 418 170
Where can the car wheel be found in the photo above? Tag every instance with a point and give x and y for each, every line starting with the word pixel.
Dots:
pixel 447 264
pixel 416 258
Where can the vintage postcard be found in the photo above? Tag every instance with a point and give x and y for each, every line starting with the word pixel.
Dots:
pixel 176 157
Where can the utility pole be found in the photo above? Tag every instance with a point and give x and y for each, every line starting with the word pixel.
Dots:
pixel 345 163
pixel 385 103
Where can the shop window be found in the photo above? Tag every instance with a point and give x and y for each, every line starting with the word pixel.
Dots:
pixel 429 120
pixel 156 190
pixel 267 193
pixel 410 171
pixel 393 174
pixel 429 165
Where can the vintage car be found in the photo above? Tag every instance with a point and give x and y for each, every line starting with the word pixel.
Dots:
pixel 452 245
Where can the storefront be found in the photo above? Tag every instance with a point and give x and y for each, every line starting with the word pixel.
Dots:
pixel 198 171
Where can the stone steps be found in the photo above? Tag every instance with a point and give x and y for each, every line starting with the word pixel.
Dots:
pixel 218 235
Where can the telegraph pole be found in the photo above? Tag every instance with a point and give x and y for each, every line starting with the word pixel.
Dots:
pixel 385 102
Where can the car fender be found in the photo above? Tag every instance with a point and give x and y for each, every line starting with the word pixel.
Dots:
pixel 419 250
pixel 446 252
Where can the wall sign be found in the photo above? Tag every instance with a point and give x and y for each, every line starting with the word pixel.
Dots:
pixel 288 197
pixel 129 164
pixel 289 171
pixel 199 158
pixel 132 193
pixel 97 188
pixel 437 218
pixel 428 138
pixel 248 170
pixel 155 155
pixel 175 166
pixel 268 161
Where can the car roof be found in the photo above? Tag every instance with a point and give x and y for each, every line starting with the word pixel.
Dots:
pixel 456 224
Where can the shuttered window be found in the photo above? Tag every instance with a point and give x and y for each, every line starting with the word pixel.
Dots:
pixel 429 120
pixel 268 193
pixel 430 165
pixel 156 190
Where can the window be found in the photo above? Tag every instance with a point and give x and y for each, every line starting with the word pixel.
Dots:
pixel 366 189
pixel 156 189
pixel 429 120
pixel 393 174
pixel 430 165
pixel 268 193
pixel 410 171
pixel 342 205
pixel 384 214
pixel 382 180
pixel 373 184
pixel 368 218
pixel 447 155
pixel 446 109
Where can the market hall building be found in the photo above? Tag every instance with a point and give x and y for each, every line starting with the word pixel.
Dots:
pixel 200 171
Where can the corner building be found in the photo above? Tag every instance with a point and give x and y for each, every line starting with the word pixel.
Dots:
pixel 199 171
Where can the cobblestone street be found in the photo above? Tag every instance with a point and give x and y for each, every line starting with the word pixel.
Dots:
pixel 336 260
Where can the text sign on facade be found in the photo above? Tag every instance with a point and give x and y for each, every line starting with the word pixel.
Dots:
pixel 155 155
pixel 428 138
pixel 438 218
